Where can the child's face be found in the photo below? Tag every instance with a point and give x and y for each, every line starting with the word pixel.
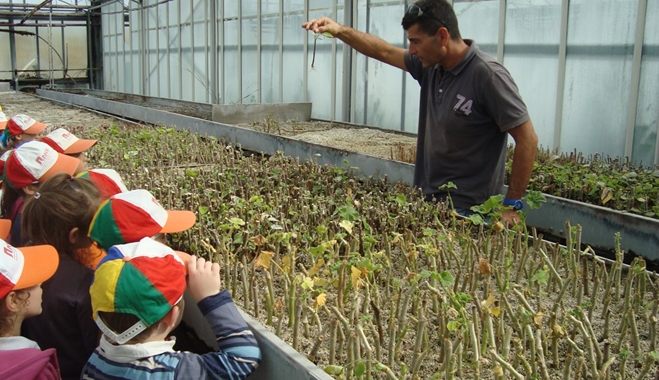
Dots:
pixel 33 304
pixel 82 162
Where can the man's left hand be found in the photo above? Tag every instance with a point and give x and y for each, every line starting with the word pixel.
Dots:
pixel 510 218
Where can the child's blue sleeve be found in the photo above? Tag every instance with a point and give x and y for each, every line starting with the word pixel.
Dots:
pixel 239 353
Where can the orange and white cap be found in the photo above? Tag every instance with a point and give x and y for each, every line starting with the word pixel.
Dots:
pixel 3 120
pixel 3 160
pixel 35 161
pixel 20 124
pixel 25 267
pixel 66 142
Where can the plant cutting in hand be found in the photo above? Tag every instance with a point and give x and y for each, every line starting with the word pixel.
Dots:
pixel 316 36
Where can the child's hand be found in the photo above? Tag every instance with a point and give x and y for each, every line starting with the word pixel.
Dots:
pixel 203 278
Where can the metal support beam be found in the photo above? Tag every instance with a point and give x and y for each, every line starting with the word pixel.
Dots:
pixel 347 94
pixel 259 56
pixel 33 11
pixel 214 85
pixel 560 88
pixel 501 43
pixel 240 51
pixel 305 53
pixel 636 77
pixel 281 51
pixel 333 74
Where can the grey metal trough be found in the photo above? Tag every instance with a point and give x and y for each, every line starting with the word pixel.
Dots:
pixel 639 235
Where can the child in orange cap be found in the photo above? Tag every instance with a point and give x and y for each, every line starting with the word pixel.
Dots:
pixel 67 143
pixel 21 273
pixel 27 166
pixel 59 214
pixel 20 129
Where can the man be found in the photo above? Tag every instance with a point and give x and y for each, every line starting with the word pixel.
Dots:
pixel 469 104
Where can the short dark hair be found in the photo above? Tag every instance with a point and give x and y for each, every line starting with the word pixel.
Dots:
pixel 120 322
pixel 439 13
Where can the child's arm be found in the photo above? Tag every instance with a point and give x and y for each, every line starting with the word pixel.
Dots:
pixel 239 353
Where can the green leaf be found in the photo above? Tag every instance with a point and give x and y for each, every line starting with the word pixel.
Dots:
pixel 535 199
pixel 401 199
pixel 446 278
pixel 203 210
pixel 449 185
pixel 192 173
pixel 333 369
pixel 541 277
pixel 453 325
pixel 360 369
pixel 476 219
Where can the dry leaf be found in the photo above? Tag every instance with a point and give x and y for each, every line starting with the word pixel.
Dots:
pixel 558 330
pixel 496 311
pixel 498 371
pixel 208 246
pixel 279 303
pixel 316 268
pixel 258 240
pixel 498 227
pixel 484 267
pixel 286 263
pixel 320 301
pixel 488 302
pixel 264 259
pixel 537 318
pixel 607 195
pixel 355 275
pixel 320 282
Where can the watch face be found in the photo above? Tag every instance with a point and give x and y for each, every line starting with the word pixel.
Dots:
pixel 518 205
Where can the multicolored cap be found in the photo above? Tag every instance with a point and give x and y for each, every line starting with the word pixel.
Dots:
pixel 145 279
pixel 66 142
pixel 25 267
pixel 107 181
pixel 19 124
pixel 131 216
pixel 3 120
pixel 35 161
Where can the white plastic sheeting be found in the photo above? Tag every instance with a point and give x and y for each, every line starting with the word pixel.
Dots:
pixel 233 51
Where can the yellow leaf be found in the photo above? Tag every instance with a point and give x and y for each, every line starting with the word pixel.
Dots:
pixel 488 302
pixel 258 240
pixel 537 318
pixel 314 270
pixel 607 195
pixel 320 301
pixel 558 330
pixel 496 311
pixel 498 371
pixel 346 225
pixel 263 261
pixel 355 275
pixel 498 227
pixel 286 263
pixel 307 283
pixel 320 282
pixel 208 246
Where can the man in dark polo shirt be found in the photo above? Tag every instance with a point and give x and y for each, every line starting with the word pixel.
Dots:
pixel 469 104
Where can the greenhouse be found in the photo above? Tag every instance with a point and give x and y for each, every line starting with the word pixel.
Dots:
pixel 306 166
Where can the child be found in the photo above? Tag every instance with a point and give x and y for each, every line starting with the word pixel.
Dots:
pixel 20 129
pixel 128 217
pixel 21 273
pixel 137 300
pixel 59 214
pixel 67 143
pixel 3 120
pixel 27 166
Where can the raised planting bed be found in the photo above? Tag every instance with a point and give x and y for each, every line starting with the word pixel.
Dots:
pixel 367 280
pixel 639 235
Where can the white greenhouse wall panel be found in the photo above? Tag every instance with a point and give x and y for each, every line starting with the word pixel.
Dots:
pixel 574 61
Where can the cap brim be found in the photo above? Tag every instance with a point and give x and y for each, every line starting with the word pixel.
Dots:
pixel 35 128
pixel 185 257
pixel 80 146
pixel 5 228
pixel 178 221
pixel 64 164
pixel 40 264
pixel 3 125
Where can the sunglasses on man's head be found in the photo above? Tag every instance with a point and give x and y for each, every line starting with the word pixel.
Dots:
pixel 416 11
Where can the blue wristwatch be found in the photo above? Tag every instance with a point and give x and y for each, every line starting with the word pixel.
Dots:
pixel 516 203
